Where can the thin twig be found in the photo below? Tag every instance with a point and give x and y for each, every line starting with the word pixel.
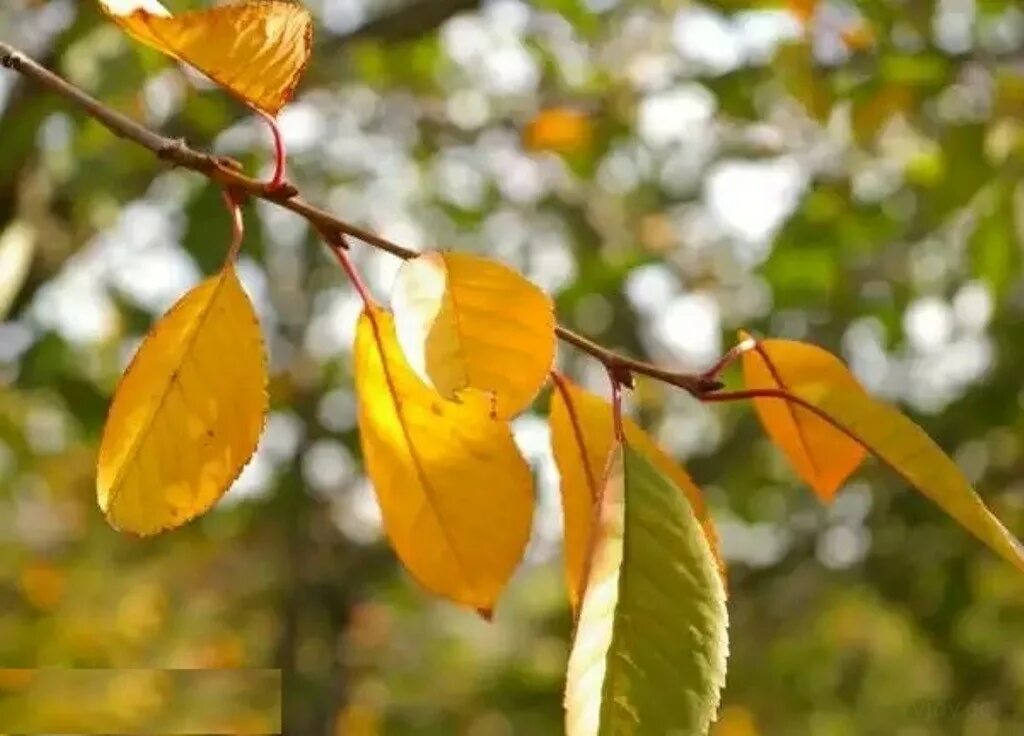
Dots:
pixel 227 173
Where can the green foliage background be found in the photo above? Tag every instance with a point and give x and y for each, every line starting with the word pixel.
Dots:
pixel 869 201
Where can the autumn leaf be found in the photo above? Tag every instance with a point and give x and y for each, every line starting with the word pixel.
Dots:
pixel 455 493
pixel 256 49
pixel 819 453
pixel 650 647
pixel 820 380
pixel 562 129
pixel 467 322
pixel 582 439
pixel 188 412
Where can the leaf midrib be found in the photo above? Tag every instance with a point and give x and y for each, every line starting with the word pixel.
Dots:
pixel 791 411
pixel 421 474
pixel 140 438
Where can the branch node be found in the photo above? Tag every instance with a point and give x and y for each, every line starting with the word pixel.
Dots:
pixel 334 238
pixel 706 385
pixel 11 60
pixel 281 191
pixel 621 374
pixel 228 163
pixel 237 195
pixel 172 150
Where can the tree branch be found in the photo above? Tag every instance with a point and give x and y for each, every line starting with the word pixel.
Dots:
pixel 228 174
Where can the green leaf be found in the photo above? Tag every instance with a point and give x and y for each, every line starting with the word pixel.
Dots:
pixel 651 643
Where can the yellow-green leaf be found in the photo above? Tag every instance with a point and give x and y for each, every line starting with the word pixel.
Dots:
pixel 582 439
pixel 188 412
pixel 892 437
pixel 650 648
pixel 821 454
pixel 465 321
pixel 256 49
pixel 455 493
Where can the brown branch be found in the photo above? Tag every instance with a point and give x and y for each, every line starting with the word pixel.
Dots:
pixel 228 174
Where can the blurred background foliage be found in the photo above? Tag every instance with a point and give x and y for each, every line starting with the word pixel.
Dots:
pixel 839 172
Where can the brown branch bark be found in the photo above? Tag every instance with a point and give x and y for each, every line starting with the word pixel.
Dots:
pixel 228 174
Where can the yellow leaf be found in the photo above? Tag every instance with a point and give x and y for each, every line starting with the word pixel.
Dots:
pixel 467 322
pixel 820 379
pixel 256 49
pixel 188 412
pixel 592 435
pixel 822 455
pixel 455 493
pixel 558 129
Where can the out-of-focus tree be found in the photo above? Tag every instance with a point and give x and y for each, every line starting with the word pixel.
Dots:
pixel 843 173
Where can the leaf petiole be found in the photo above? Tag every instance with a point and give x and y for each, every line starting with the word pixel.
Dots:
pixel 233 201
pixel 339 247
pixel 280 152
pixel 616 406
pixel 783 395
pixel 729 358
